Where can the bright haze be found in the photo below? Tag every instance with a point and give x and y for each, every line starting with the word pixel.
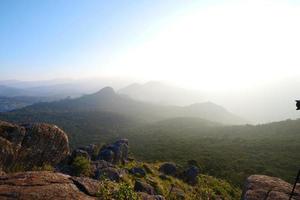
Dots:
pixel 243 55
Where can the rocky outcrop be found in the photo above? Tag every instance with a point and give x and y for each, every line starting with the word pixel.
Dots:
pixel 89 152
pixel 258 187
pixel 115 153
pixel 29 145
pixel 45 185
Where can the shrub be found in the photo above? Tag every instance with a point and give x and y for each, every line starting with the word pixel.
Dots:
pixel 126 192
pixel 81 166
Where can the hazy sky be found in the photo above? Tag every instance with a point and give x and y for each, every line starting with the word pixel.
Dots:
pixel 203 44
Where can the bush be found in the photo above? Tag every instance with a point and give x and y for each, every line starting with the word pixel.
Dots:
pixel 81 166
pixel 126 192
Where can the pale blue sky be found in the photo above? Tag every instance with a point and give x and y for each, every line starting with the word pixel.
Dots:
pixel 193 43
pixel 49 36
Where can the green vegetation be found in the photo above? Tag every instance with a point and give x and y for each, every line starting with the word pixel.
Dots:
pixel 227 152
pixel 170 187
pixel 81 166
pixel 126 192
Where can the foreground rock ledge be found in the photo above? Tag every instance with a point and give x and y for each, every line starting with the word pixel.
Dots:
pixel 260 187
pixel 45 185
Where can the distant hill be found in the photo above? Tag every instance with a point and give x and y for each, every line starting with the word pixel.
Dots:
pixel 17 102
pixel 161 93
pixel 106 100
pixel 104 113
pixel 11 91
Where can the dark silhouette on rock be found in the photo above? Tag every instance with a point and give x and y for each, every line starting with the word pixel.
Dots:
pixel 298 104
pixel 30 145
pixel 259 187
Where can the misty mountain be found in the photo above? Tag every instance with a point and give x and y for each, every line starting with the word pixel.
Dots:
pixel 106 100
pixel 161 93
pixel 11 91
pixel 17 102
pixel 61 88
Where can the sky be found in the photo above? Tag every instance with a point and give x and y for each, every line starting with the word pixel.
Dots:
pixel 213 45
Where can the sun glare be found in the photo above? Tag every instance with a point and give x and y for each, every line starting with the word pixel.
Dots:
pixel 220 47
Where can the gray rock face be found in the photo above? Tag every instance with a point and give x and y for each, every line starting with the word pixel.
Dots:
pixel 31 145
pixel 115 153
pixel 259 187
pixel 168 169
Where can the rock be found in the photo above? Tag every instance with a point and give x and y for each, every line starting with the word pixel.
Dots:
pixel 80 152
pixel 89 186
pixel 168 169
pixel 143 187
pixel 145 196
pixel 40 185
pixel 190 175
pixel 137 171
pixel 91 149
pixel 115 153
pixel 268 188
pixel 110 173
pixel 31 145
pixel 107 155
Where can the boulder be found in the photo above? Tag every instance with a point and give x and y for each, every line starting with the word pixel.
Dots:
pixel 110 173
pixel 191 175
pixel 168 169
pixel 115 153
pixel 29 145
pixel 80 152
pixel 40 185
pixel 138 171
pixel 91 149
pixel 140 186
pixel 259 187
